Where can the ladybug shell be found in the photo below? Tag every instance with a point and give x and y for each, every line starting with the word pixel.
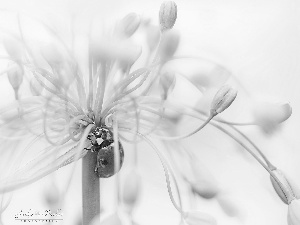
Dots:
pixel 105 161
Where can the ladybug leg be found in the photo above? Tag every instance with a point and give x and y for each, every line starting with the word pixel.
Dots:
pixel 97 164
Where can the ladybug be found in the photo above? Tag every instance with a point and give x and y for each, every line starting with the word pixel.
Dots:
pixel 102 143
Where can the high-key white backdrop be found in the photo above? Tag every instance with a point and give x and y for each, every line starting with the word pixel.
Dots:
pixel 258 41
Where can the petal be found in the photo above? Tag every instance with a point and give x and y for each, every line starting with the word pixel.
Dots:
pixel 50 159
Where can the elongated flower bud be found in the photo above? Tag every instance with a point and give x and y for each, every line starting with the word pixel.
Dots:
pixel 204 189
pixel 229 206
pixel 167 15
pixel 15 76
pixel 269 115
pixel 223 99
pixel 52 55
pixel 196 218
pixel 52 196
pixel 169 44
pixel 111 49
pixel 153 35
pixel 35 87
pixel 294 212
pixel 167 81
pixel 203 182
pixel 128 25
pixel 132 188
pixel 14 48
pixel 285 191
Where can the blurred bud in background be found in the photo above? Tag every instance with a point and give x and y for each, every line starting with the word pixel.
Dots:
pixel 52 196
pixel 270 115
pixel 167 82
pixel 128 25
pixel 35 87
pixel 15 76
pixel 131 190
pixel 203 183
pixel 152 37
pixel 169 44
pixel 14 48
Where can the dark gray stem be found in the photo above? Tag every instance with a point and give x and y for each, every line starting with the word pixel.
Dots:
pixel 90 188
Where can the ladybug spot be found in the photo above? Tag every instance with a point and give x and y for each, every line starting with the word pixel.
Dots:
pixel 103 162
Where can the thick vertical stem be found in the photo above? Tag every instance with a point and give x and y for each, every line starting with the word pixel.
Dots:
pixel 90 188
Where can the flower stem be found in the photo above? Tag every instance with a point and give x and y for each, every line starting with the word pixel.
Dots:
pixel 90 189
pixel 269 164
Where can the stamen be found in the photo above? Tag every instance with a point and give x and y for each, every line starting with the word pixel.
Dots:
pixel 166 171
pixel 101 75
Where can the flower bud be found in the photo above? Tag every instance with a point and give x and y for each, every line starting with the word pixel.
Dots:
pixel 52 55
pixel 35 87
pixel 167 81
pixel 229 206
pixel 196 218
pixel 294 212
pixel 128 25
pixel 285 192
pixel 153 35
pixel 111 49
pixel 131 189
pixel 169 44
pixel 167 15
pixel 204 189
pixel 52 196
pixel 15 76
pixel 223 99
pixel 269 115
pixel 14 48
pixel 204 183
